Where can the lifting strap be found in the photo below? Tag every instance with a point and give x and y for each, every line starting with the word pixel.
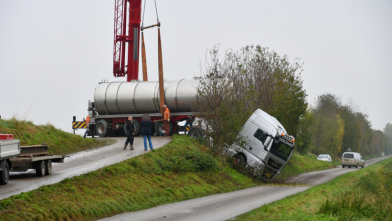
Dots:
pixel 160 65
pixel 144 61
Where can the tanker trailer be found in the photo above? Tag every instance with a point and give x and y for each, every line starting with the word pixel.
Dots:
pixel 115 101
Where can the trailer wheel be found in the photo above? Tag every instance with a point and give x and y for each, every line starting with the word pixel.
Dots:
pixel 137 127
pixel 40 169
pixel 102 128
pixel 48 167
pixel 5 173
pixel 159 129
pixel 196 132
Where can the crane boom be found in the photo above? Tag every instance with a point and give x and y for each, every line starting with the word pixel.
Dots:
pixel 127 18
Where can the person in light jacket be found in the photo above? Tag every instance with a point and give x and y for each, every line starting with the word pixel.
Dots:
pixel 146 133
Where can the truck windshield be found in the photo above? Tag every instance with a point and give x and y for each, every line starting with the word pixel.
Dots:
pixel 280 150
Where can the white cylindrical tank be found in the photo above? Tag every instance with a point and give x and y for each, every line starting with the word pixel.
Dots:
pixel 143 97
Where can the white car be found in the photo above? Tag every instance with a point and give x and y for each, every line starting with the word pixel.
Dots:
pixel 325 157
pixel 352 159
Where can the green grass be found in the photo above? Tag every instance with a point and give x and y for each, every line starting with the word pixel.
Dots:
pixel 60 142
pixel 365 194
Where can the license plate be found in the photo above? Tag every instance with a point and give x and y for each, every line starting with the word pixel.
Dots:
pixel 346 160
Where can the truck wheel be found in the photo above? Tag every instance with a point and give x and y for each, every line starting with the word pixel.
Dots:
pixel 239 160
pixel 5 173
pixel 349 166
pixel 196 132
pixel 343 166
pixel 48 167
pixel 363 165
pixel 159 129
pixel 137 127
pixel 40 169
pixel 102 128
pixel 172 125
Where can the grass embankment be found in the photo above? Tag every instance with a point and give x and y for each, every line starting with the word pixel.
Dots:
pixel 60 142
pixel 181 170
pixel 365 194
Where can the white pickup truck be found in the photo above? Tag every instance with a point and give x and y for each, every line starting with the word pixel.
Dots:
pixel 17 158
pixel 268 146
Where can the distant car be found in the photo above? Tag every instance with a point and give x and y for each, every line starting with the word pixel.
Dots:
pixel 325 157
pixel 352 159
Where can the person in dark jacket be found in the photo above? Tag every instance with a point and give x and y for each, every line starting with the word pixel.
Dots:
pixel 146 132
pixel 130 131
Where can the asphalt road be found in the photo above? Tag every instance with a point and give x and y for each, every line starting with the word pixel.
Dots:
pixel 76 164
pixel 323 176
pixel 229 205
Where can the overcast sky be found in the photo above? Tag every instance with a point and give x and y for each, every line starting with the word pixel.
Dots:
pixel 54 53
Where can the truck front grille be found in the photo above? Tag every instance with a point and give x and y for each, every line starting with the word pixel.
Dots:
pixel 272 163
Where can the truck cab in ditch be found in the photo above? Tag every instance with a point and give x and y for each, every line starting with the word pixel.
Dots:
pixel 267 147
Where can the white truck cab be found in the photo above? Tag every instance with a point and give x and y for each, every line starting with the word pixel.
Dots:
pixel 267 148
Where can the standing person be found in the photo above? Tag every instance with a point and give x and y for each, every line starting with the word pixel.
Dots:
pixel 87 122
pixel 166 119
pixel 146 132
pixel 130 131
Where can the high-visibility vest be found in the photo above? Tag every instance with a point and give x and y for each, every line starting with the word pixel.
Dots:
pixel 167 114
pixel 87 119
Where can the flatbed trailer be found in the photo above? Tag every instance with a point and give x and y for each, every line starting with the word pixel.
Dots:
pixel 17 158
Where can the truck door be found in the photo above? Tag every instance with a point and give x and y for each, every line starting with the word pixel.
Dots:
pixel 247 133
pixel 257 146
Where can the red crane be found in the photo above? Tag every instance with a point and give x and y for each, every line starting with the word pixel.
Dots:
pixel 127 18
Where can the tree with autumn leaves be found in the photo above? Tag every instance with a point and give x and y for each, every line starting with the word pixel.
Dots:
pixel 336 126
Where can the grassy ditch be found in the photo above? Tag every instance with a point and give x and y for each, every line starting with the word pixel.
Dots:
pixel 304 163
pixel 181 170
pixel 60 142
pixel 365 194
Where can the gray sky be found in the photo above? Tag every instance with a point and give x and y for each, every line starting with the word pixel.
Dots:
pixel 54 53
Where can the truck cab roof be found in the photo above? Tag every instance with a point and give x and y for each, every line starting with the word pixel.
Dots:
pixel 272 125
